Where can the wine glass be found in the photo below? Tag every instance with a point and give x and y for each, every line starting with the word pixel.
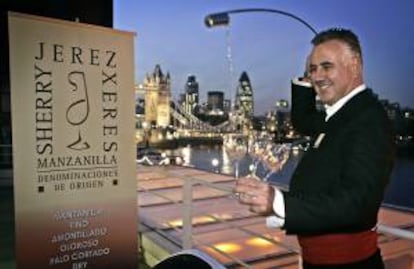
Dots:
pixel 235 146
pixel 275 157
pixel 256 148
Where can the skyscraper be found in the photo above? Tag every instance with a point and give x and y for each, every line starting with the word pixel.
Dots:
pixel 191 94
pixel 215 102
pixel 244 97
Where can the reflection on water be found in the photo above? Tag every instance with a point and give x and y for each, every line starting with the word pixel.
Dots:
pixel 202 158
pixel 399 192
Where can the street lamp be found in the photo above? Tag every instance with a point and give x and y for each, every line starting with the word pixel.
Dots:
pixel 146 127
pixel 215 163
pixel 223 18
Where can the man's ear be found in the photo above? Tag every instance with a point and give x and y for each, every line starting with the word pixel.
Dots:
pixel 356 66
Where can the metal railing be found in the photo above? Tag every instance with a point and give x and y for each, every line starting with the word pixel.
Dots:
pixel 394 231
pixel 188 240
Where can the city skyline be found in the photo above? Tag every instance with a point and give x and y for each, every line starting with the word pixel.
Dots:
pixel 271 49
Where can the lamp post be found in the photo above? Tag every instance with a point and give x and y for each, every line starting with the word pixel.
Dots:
pixel 146 128
pixel 223 18
pixel 215 163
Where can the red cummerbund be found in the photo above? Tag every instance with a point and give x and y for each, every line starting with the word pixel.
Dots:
pixel 338 248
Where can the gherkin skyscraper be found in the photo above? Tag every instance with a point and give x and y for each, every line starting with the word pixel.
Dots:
pixel 244 102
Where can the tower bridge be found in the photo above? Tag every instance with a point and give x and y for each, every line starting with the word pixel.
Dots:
pixel 161 111
pixel 165 119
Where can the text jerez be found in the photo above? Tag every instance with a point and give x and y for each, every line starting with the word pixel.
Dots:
pixel 57 53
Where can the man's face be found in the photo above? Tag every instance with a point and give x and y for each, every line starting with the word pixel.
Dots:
pixel 334 71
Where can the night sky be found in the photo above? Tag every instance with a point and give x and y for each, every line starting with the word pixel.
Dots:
pixel 270 47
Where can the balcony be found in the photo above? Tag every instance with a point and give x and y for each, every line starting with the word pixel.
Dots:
pixel 182 208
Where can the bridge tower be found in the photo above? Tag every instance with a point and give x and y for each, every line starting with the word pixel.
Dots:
pixel 157 87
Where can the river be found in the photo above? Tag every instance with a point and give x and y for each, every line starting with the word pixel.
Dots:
pixel 399 192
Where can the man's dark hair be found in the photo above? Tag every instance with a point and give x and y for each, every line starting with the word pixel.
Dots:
pixel 344 35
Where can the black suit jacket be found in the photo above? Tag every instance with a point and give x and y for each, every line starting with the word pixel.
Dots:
pixel 338 186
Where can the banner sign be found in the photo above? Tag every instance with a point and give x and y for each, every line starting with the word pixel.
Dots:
pixel 72 97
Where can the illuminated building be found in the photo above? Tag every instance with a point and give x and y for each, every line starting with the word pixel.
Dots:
pixel 191 96
pixel 157 87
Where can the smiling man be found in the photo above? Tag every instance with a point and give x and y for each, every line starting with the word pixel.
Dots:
pixel 335 67
pixel 338 186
